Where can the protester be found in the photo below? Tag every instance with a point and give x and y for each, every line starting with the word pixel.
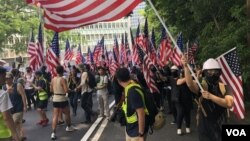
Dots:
pixel 29 90
pixel 133 107
pixel 59 88
pixel 102 93
pixel 214 101
pixel 7 126
pixel 42 98
pixel 86 92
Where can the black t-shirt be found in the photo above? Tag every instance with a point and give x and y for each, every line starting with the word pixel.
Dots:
pixel 215 112
pixel 134 102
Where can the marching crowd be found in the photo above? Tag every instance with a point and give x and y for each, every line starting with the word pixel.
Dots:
pixel 22 91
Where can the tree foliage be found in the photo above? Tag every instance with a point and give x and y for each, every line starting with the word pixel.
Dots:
pixel 218 26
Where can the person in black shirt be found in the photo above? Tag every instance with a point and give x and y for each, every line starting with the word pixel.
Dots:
pixel 213 100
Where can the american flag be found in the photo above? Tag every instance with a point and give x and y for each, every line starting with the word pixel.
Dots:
pixel 114 65
pixel 139 37
pixel 79 56
pixel 52 57
pixel 39 47
pixel 116 49
pixel 135 57
pixel 146 42
pixel 128 52
pixel 152 50
pixel 32 53
pixel 165 49
pixel 98 52
pixel 231 75
pixel 148 75
pixel 123 56
pixel 68 52
pixel 89 57
pixel 191 52
pixel 176 54
pixel 61 15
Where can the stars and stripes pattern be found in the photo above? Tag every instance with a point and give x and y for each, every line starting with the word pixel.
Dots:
pixel 152 50
pixel 62 15
pixel 32 52
pixel 52 56
pixel 165 49
pixel 123 56
pixel 191 52
pixel 114 65
pixel 231 75
pixel 135 57
pixel 177 51
pixel 79 56
pixel 69 54
pixel 39 47
pixel 148 75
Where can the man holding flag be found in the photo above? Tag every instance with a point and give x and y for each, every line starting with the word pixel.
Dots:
pixel 214 99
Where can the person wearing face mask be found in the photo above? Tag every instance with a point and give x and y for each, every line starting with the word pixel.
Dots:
pixel 213 99
pixel 174 91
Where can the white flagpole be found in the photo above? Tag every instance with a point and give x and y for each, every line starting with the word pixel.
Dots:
pixel 175 44
pixel 226 52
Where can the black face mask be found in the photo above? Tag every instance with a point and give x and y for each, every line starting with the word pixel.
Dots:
pixel 212 79
pixel 174 74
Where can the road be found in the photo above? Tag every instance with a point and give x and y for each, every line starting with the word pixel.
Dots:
pixel 34 132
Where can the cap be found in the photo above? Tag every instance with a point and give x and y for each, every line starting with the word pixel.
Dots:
pixel 211 64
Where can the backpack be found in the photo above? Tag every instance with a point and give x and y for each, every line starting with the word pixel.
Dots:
pixel 91 80
pixel 151 106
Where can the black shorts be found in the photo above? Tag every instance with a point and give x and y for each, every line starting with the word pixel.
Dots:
pixel 42 104
pixel 60 104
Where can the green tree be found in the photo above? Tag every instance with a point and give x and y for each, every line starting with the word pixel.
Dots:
pixel 17 19
pixel 218 26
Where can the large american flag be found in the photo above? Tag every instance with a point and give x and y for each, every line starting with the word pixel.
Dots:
pixel 148 75
pixel 61 15
pixel 52 57
pixel 231 75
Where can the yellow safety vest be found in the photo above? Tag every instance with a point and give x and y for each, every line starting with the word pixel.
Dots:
pixel 133 118
pixel 42 94
pixel 4 131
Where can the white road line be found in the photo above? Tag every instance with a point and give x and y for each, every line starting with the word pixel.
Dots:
pixel 101 129
pixel 94 125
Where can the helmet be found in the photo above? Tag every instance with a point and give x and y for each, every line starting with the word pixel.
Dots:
pixel 211 64
pixel 174 67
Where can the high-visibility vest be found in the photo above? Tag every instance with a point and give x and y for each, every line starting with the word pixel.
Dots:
pixel 133 118
pixel 4 131
pixel 42 94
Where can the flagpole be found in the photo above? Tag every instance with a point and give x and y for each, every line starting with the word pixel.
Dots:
pixel 174 42
pixel 226 52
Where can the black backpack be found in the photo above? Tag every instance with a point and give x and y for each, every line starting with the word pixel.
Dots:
pixel 91 80
pixel 151 106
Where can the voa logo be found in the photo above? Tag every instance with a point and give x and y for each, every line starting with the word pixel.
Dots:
pixel 236 132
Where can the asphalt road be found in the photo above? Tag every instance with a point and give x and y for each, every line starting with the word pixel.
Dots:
pixel 34 132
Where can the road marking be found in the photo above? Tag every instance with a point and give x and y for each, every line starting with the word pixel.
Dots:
pixel 101 129
pixel 94 125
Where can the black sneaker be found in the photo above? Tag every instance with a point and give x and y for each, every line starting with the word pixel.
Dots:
pixel 60 122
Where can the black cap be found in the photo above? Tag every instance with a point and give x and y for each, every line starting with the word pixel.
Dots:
pixel 2 69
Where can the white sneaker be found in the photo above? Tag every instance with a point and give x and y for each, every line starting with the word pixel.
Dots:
pixel 188 130
pixel 53 136
pixel 70 128
pixel 178 131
